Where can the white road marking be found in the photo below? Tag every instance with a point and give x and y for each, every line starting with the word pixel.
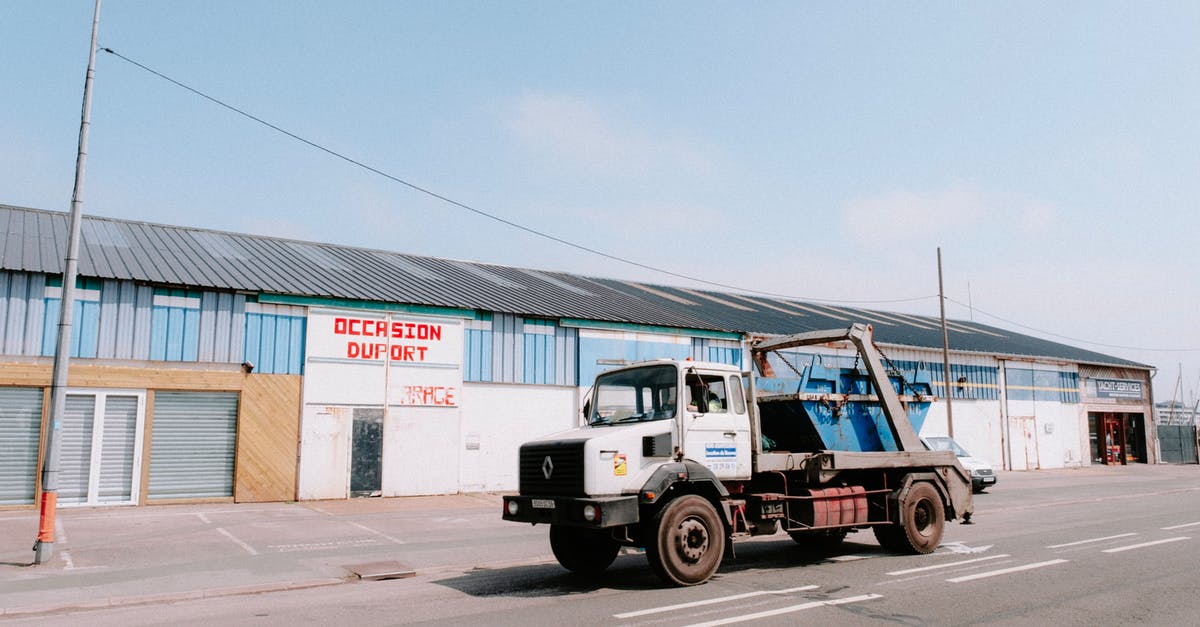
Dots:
pixel 249 549
pixel 788 610
pixel 378 533
pixel 853 557
pixel 1145 544
pixel 66 555
pixel 735 597
pixel 959 547
pixel 1005 571
pixel 319 546
pixel 922 569
pixel 1180 526
pixel 204 519
pixel 1121 535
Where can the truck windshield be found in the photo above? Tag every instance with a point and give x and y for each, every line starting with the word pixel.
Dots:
pixel 640 394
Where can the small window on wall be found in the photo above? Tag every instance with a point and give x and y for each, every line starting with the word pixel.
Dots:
pixel 85 327
pixel 175 325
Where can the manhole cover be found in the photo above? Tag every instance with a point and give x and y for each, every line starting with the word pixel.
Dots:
pixel 375 571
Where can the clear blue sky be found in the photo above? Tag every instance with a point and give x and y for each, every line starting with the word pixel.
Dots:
pixel 823 151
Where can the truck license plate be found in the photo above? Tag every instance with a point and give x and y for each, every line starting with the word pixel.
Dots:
pixel 543 504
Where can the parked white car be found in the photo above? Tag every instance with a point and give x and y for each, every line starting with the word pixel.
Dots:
pixel 982 474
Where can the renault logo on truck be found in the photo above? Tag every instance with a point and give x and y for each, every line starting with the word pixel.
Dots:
pixel 547 467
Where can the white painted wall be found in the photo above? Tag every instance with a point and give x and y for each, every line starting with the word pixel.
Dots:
pixel 1056 435
pixel 498 418
pixel 977 427
pixel 421 450
pixel 325 452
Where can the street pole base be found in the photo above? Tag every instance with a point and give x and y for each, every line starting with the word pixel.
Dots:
pixel 42 552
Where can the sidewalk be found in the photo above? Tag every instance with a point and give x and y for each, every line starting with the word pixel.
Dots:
pixel 107 557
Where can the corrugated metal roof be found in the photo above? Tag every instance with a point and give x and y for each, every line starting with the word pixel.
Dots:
pixel 35 241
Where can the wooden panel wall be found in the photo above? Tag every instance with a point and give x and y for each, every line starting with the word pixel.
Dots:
pixel 268 438
pixel 268 414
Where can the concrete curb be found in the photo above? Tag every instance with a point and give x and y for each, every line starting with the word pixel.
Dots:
pixel 189 595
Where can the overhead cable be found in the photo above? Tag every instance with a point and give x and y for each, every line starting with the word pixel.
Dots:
pixel 492 216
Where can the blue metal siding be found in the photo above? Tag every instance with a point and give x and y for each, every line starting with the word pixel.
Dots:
pixel 21 312
pixel 274 343
pixel 566 347
pixel 719 351
pixel 538 355
pixel 477 351
pixel 507 348
pixel 221 318
pixel 119 320
pixel 175 327
pixel 84 324
pixel 594 349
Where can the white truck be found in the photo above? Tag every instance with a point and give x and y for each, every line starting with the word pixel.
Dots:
pixel 680 458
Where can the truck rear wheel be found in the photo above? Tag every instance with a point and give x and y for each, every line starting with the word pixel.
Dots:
pixel 583 551
pixel 688 541
pixel 922 520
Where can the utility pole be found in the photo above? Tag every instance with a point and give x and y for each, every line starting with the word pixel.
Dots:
pixel 945 349
pixel 44 547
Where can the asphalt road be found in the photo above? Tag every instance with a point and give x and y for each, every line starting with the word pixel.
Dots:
pixel 1087 547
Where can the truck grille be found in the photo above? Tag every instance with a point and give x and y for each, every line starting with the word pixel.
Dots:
pixel 565 467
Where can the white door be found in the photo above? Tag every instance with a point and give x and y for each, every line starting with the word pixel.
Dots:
pixel 716 426
pixel 100 462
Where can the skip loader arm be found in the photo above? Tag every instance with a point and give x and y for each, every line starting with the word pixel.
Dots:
pixel 861 336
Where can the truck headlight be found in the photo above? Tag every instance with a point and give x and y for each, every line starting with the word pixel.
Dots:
pixel 512 508
pixel 591 513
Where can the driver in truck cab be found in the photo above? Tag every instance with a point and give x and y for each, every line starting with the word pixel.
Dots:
pixel 704 395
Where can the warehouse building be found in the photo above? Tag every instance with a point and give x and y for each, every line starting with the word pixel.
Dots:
pixel 211 365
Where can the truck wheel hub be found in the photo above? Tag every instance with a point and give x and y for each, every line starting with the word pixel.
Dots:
pixel 693 540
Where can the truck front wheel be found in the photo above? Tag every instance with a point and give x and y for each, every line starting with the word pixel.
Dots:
pixel 583 551
pixel 688 541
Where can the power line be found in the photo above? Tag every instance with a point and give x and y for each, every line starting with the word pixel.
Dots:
pixel 485 214
pixel 1075 339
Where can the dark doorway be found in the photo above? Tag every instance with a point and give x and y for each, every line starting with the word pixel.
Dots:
pixel 366 452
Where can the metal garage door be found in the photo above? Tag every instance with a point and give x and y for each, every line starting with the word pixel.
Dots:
pixel 193 445
pixel 20 430
pixel 101 449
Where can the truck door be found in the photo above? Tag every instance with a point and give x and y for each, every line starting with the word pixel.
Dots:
pixel 717 425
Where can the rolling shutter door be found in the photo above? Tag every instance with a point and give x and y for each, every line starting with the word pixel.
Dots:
pixel 20 430
pixel 192 451
pixel 74 469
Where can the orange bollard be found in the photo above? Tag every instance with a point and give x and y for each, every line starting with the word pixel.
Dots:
pixel 46 529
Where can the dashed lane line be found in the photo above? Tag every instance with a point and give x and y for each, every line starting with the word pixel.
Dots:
pixel 1090 540
pixel 1145 544
pixel 1191 524
pixel 788 610
pixel 735 597
pixel 1005 571
pixel 922 569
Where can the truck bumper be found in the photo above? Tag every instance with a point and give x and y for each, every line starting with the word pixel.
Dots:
pixel 596 513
